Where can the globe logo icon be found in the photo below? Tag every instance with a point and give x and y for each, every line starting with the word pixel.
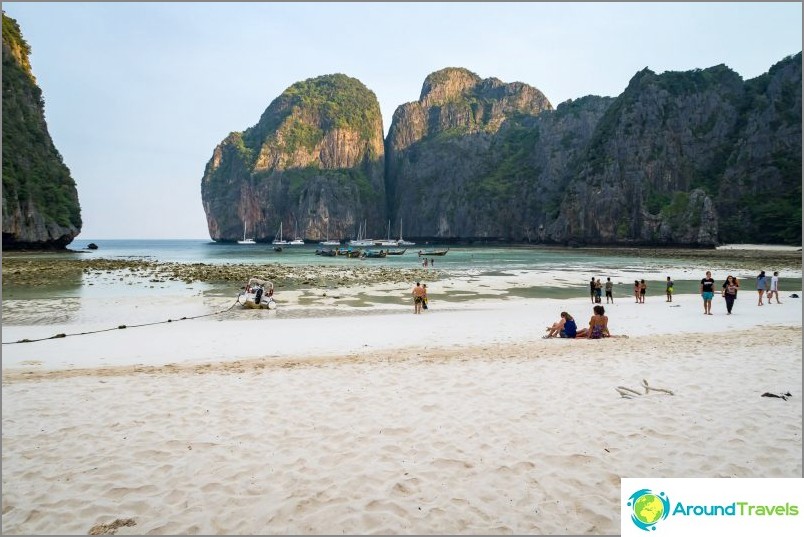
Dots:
pixel 648 508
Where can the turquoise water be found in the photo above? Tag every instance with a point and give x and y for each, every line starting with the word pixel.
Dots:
pixel 533 272
pixel 483 258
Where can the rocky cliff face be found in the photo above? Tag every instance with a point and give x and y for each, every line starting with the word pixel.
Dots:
pixel 692 158
pixel 313 162
pixel 443 154
pixel 678 153
pixel 40 201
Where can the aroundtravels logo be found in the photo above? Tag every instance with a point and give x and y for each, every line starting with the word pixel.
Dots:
pixel 648 508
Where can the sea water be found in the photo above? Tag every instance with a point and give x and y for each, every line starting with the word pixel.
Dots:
pixel 549 272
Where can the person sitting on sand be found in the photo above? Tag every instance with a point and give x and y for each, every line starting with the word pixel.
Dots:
pixel 598 325
pixel 565 327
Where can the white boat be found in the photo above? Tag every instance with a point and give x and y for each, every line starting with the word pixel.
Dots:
pixel 279 241
pixel 388 241
pixel 297 241
pixel 245 240
pixel 401 241
pixel 329 242
pixel 361 240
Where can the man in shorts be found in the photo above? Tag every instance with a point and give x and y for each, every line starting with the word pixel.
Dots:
pixel 609 287
pixel 707 292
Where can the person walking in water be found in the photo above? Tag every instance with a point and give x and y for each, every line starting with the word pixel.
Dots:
pixel 418 297
pixel 707 292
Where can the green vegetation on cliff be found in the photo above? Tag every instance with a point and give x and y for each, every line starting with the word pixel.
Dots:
pixel 35 179
pixel 339 101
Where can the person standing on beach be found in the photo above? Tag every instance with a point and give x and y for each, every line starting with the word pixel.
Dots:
pixel 592 289
pixel 636 291
pixel 643 288
pixel 707 292
pixel 609 287
pixel 425 298
pixel 761 286
pixel 598 291
pixel 774 287
pixel 669 290
pixel 418 298
pixel 730 292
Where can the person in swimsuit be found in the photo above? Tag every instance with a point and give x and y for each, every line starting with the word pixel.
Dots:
pixel 564 327
pixel 598 325
pixel 418 297
pixel 636 290
pixel 669 290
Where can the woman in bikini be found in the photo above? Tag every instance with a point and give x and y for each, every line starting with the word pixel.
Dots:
pixel 598 325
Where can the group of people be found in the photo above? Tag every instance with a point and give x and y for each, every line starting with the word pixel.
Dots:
pixel 566 327
pixel 596 290
pixel 765 289
pixel 419 297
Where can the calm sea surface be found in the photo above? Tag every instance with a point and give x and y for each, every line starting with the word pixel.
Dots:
pixel 553 272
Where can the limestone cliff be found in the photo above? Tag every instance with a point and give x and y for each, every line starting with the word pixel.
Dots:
pixel 442 153
pixel 693 158
pixel 314 162
pixel 40 200
pixel 678 153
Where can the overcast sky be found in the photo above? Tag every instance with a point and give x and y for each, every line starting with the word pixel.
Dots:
pixel 137 95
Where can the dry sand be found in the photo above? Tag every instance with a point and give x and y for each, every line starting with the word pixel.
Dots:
pixel 457 421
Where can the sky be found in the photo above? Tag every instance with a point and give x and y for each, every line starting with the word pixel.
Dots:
pixel 138 95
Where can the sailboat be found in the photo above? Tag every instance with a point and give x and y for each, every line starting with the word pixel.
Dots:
pixel 298 241
pixel 279 241
pixel 361 240
pixel 388 241
pixel 401 241
pixel 245 240
pixel 329 242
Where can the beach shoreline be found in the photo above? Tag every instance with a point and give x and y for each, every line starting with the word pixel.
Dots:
pixel 375 420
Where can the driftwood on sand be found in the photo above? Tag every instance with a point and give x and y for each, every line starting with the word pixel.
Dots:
pixel 628 393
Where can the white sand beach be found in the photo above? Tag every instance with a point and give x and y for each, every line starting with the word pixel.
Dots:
pixel 460 420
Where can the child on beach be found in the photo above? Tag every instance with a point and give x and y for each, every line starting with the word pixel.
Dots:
pixel 669 290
